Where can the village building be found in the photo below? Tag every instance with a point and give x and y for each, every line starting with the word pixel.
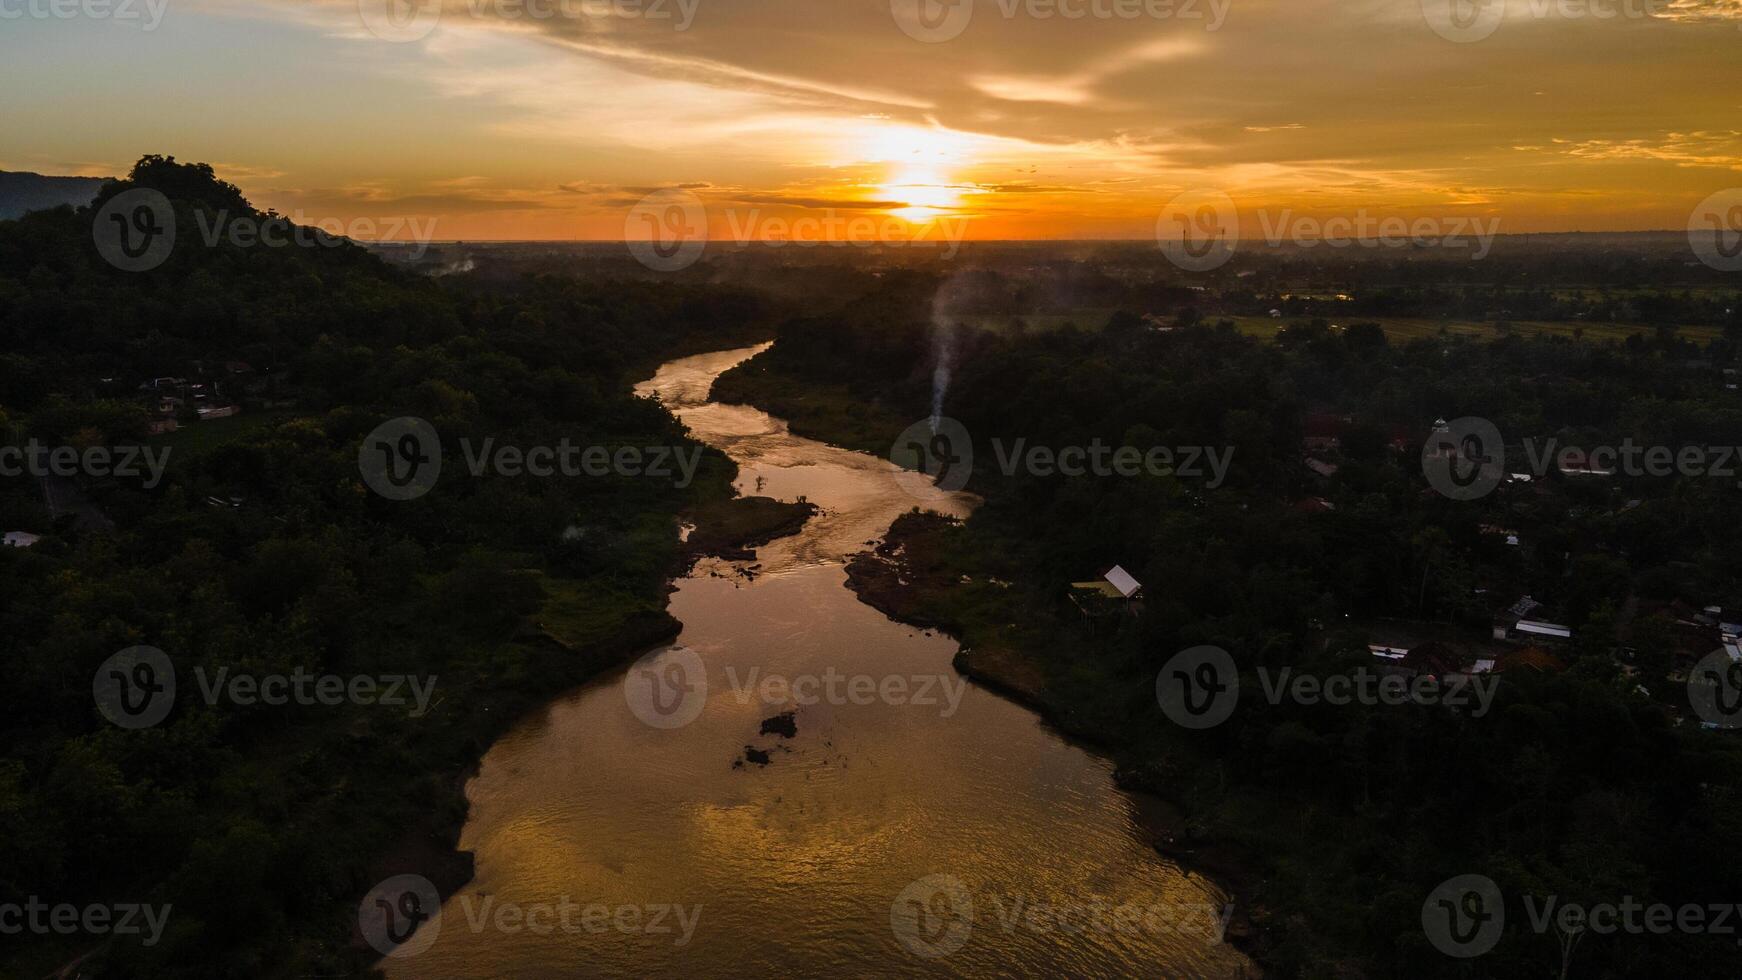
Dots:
pixel 1105 595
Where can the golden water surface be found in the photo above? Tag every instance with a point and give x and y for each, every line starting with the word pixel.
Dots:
pixel 1028 861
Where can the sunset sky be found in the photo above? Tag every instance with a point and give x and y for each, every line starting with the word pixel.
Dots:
pixel 1568 115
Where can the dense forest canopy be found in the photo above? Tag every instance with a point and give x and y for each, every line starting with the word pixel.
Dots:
pixel 1590 779
pixel 261 550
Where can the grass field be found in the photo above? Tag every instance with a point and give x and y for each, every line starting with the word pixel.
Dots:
pixel 194 438
pixel 1397 328
pixel 1410 328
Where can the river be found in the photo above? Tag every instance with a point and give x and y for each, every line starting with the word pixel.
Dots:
pixel 914 825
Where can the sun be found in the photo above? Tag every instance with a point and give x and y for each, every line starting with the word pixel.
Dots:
pixel 919 165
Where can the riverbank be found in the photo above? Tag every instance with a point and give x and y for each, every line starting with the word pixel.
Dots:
pixel 567 648
pixel 906 578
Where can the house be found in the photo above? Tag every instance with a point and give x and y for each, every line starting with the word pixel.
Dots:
pixel 1097 597
pixel 1117 583
pixel 1543 630
pixel 20 539
pixel 1733 649
pixel 1519 623
pixel 217 412
pixel 1504 622
pixel 1322 468
pixel 158 427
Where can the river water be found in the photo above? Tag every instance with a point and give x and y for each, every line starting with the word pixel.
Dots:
pixel 933 829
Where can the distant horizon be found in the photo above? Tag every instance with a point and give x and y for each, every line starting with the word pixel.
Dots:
pixel 857 214
pixel 1020 119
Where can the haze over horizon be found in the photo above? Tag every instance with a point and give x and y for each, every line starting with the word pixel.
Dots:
pixel 1002 120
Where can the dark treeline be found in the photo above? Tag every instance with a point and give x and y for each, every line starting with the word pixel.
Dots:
pixel 262 551
pixel 1590 779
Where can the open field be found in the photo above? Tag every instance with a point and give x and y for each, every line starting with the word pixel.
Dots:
pixel 200 437
pixel 1410 328
pixel 1397 328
